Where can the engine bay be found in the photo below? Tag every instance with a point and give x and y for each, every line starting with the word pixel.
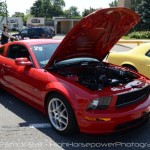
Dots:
pixel 94 75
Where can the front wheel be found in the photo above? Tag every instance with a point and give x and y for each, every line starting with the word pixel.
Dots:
pixel 61 115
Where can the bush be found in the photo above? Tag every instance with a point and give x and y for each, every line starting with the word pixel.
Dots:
pixel 140 35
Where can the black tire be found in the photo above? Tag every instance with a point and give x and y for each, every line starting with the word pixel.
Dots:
pixel 130 67
pixel 55 115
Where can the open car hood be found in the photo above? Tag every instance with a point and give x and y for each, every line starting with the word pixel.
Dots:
pixel 95 34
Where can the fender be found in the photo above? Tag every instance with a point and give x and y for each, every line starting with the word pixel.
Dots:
pixel 68 88
pixel 128 63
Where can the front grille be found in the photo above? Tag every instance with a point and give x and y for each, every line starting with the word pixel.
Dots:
pixel 132 97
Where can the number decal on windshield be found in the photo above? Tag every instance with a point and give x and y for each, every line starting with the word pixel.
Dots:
pixel 37 48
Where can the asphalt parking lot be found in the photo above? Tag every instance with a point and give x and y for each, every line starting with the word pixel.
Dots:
pixel 24 128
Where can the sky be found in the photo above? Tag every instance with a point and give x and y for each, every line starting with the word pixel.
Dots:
pixel 23 5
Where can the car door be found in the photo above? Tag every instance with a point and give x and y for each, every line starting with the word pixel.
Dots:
pixel 35 33
pixel 21 79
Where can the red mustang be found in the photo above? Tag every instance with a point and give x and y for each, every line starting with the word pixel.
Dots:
pixel 68 80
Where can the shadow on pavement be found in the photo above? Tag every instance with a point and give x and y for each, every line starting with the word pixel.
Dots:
pixel 135 139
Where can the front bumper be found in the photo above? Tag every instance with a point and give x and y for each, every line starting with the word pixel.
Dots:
pixel 104 122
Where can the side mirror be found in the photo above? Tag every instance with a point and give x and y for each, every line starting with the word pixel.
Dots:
pixel 23 62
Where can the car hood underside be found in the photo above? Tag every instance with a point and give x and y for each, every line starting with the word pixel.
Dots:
pixel 95 34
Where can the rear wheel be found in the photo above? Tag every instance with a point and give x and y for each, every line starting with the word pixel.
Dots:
pixel 61 115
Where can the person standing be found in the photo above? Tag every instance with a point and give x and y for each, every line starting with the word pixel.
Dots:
pixel 5 36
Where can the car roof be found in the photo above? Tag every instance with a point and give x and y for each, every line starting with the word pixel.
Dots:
pixel 36 28
pixel 37 41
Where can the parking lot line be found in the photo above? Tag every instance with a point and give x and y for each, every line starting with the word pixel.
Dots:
pixel 40 125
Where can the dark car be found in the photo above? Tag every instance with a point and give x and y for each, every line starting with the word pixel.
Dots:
pixel 34 33
pixel 52 30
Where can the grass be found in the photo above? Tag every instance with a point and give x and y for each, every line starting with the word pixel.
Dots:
pixel 125 38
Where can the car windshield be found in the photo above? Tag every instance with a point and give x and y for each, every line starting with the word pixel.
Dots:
pixel 43 52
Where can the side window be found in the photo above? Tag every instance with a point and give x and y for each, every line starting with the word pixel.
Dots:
pixel 44 30
pixel 35 32
pixel 17 51
pixel 25 31
pixel 31 31
pixel 2 50
pixel 38 31
pixel 148 53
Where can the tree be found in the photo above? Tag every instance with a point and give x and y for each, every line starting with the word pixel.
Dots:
pixel 57 7
pixel 59 3
pixel 26 16
pixel 3 9
pixel 18 14
pixel 72 12
pixel 134 4
pixel 143 9
pixel 47 8
pixel 88 11
pixel 114 3
pixel 36 9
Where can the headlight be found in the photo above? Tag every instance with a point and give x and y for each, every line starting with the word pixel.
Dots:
pixel 100 103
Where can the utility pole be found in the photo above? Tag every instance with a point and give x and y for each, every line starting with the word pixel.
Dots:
pixel 46 14
pixel 6 12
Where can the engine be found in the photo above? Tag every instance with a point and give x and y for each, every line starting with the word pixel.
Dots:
pixel 96 75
